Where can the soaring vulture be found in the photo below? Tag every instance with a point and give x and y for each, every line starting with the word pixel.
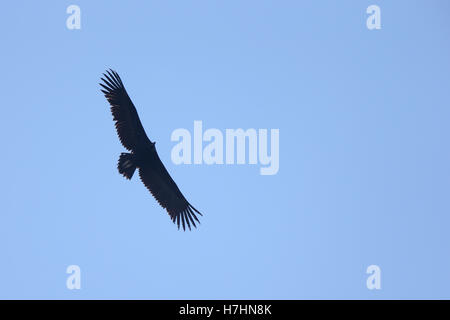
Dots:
pixel 143 154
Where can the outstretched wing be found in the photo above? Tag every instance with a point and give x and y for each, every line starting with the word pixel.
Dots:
pixel 161 185
pixel 128 125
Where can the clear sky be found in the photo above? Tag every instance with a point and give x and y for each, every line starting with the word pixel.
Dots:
pixel 364 175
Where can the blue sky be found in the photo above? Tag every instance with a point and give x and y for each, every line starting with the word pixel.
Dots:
pixel 364 171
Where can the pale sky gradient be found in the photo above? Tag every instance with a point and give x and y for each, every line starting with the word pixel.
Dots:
pixel 364 172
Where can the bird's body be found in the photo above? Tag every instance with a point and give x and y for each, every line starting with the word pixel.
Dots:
pixel 143 155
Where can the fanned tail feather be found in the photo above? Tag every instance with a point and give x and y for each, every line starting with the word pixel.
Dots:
pixel 126 165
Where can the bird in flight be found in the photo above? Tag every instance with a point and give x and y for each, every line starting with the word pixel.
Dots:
pixel 142 154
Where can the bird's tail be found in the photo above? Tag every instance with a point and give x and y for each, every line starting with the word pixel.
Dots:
pixel 126 165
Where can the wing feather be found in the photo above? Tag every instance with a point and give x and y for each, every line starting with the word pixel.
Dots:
pixel 128 125
pixel 161 185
